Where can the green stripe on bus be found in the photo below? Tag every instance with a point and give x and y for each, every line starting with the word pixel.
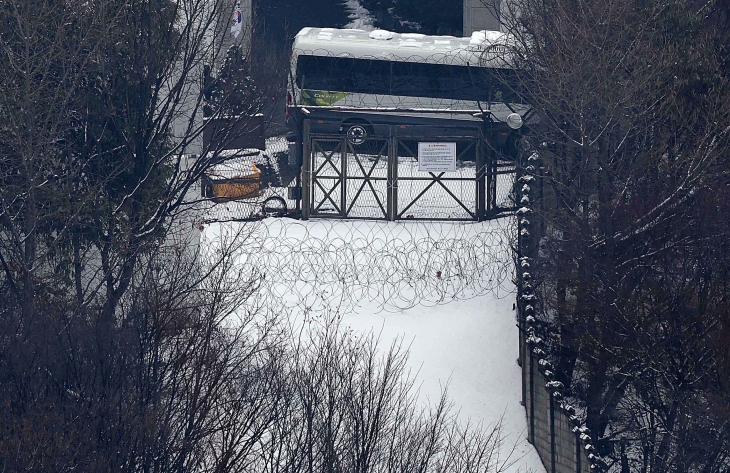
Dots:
pixel 322 98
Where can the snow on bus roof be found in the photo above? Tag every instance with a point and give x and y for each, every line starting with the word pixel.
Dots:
pixel 406 47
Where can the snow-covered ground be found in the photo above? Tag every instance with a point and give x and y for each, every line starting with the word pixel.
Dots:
pixel 444 287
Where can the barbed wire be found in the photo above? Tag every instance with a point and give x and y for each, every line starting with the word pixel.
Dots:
pixel 317 267
pixel 322 265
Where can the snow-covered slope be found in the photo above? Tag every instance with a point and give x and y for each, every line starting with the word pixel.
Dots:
pixel 443 287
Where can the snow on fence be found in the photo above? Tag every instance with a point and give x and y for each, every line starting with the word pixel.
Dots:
pixel 559 436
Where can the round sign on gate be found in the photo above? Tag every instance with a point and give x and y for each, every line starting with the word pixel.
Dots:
pixel 357 134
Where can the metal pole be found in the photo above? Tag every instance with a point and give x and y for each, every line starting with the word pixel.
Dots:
pixel 490 177
pixel 306 172
pixel 480 177
pixel 532 396
pixel 392 181
pixel 344 152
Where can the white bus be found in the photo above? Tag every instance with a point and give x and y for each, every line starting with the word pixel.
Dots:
pixel 381 74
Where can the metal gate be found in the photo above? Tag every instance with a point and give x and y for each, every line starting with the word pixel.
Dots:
pixel 379 177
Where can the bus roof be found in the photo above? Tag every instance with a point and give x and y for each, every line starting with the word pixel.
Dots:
pixel 483 48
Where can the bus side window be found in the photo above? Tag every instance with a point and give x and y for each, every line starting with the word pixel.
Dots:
pixel 411 79
pixel 465 83
pixel 319 73
pixel 415 79
pixel 505 86
pixel 369 76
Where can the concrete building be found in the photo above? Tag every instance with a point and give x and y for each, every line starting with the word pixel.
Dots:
pixel 223 39
pixel 481 15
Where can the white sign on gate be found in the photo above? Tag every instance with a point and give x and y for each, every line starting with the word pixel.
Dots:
pixel 436 157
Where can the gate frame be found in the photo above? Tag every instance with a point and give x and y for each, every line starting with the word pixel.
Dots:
pixel 485 179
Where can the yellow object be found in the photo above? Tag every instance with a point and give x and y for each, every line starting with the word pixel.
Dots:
pixel 238 187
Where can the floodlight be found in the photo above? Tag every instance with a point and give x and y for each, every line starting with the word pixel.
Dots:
pixel 514 121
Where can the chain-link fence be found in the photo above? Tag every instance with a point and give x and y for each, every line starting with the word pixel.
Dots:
pixel 380 178
pixel 406 171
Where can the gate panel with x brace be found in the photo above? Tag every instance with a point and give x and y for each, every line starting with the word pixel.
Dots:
pixel 379 178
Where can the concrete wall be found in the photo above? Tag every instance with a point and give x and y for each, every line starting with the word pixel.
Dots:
pixel 223 39
pixel 481 15
pixel 550 427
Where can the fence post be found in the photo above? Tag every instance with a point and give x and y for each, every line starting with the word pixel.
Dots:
pixel 491 181
pixel 306 171
pixel 344 152
pixel 531 169
pixel 552 432
pixel 392 178
pixel 481 207
pixel 532 395
pixel 492 178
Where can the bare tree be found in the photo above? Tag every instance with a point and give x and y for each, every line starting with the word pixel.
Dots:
pixel 352 407
pixel 116 350
pixel 189 381
pixel 92 164
pixel 633 136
